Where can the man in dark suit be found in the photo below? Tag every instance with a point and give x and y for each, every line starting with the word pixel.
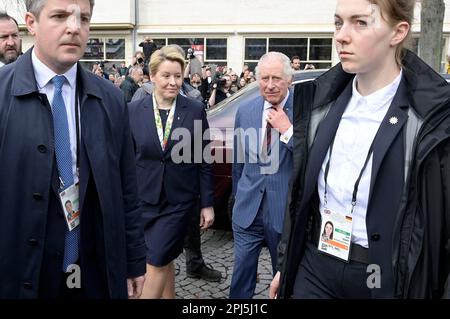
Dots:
pixel 10 44
pixel 63 131
pixel 149 47
pixel 261 176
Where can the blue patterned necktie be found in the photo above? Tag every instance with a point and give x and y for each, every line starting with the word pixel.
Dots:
pixel 64 162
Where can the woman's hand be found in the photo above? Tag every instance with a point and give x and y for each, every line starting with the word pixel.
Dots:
pixel 206 217
pixel 274 286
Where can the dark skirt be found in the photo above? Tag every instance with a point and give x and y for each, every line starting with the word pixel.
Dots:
pixel 165 226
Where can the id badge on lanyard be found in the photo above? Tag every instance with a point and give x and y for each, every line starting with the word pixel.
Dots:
pixel 335 234
pixel 70 202
pixel 70 199
pixel 336 227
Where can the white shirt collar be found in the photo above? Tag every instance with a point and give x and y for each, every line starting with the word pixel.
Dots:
pixel 44 74
pixel 267 105
pixel 379 98
pixel 1 64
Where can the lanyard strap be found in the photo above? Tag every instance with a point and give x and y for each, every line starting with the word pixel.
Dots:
pixel 77 126
pixel 355 188
pixel 163 137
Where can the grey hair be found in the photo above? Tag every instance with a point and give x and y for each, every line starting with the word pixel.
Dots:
pixel 288 72
pixel 35 6
pixel 134 69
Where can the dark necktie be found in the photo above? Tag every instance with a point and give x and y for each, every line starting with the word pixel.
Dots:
pixel 268 135
pixel 64 162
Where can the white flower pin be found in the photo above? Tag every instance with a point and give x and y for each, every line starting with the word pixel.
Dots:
pixel 393 120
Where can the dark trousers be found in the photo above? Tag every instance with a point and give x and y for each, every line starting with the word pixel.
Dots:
pixel 247 248
pixel 57 287
pixel 320 276
pixel 194 258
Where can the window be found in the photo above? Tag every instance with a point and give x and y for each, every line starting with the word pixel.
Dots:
pixel 94 50
pixel 110 51
pixel 319 49
pixel 115 49
pixel 290 47
pixel 207 50
pixel 316 51
pixel 160 42
pixel 255 48
pixel 216 49
pixel 186 43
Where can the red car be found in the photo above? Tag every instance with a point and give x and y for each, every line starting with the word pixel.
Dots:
pixel 221 122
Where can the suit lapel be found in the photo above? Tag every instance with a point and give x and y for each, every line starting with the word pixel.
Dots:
pixel 288 106
pixel 391 125
pixel 181 111
pixel 325 134
pixel 147 122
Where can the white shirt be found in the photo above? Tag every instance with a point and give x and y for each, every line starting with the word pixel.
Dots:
pixel 356 132
pixel 44 75
pixel 283 137
pixel 1 64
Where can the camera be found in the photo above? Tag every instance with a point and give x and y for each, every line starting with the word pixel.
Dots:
pixel 102 63
pixel 190 54
pixel 220 83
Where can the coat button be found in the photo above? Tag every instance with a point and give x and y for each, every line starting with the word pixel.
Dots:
pixel 375 237
pixel 32 242
pixel 42 148
pixel 37 196
pixel 27 285
pixel 261 191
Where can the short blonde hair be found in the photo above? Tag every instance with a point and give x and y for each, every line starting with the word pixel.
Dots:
pixel 167 53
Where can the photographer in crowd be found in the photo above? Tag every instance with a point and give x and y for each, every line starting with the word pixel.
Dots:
pixel 138 60
pixel 207 82
pixel 220 90
pixel 148 46
pixel 194 63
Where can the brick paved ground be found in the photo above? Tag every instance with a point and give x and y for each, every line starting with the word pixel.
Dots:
pixel 217 249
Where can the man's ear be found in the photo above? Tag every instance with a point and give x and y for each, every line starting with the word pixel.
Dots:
pixel 30 22
pixel 400 32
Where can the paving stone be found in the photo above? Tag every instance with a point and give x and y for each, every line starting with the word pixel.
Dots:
pixel 217 248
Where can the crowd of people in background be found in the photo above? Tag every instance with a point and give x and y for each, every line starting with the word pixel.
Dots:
pixel 360 155
pixel 213 83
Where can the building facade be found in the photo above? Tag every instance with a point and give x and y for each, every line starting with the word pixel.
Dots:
pixel 232 32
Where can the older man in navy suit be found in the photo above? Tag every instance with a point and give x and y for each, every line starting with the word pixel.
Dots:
pixel 261 170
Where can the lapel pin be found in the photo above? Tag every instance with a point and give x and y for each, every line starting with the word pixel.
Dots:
pixel 393 120
pixel 178 118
